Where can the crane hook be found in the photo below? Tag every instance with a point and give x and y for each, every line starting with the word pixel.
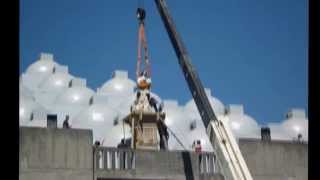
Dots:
pixel 141 14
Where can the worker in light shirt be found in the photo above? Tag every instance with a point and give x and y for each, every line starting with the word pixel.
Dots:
pixel 197 146
pixel 198 149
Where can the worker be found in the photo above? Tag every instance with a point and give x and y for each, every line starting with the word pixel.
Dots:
pixel 299 137
pixel 66 123
pixel 163 133
pixel 155 102
pixel 97 143
pixel 197 146
pixel 123 144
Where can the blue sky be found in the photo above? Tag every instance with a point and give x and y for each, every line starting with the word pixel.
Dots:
pixel 246 51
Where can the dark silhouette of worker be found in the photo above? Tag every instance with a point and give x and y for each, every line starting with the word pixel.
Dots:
pixel 299 137
pixel 66 123
pixel 97 143
pixel 124 143
pixel 153 102
pixel 164 135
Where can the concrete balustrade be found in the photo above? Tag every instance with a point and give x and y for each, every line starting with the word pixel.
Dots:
pixel 114 159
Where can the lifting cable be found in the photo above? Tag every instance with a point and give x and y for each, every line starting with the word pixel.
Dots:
pixel 142 45
pixel 178 140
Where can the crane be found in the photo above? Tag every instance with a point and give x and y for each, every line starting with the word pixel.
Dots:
pixel 220 135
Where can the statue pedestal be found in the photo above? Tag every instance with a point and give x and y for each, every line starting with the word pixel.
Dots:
pixel 144 129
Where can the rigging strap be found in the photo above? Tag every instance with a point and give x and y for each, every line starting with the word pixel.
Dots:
pixel 142 46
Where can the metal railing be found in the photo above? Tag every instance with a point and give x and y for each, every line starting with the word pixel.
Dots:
pixel 207 163
pixel 108 158
pixel 115 159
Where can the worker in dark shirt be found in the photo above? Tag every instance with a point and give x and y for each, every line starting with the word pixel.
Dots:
pixel 164 135
pixel 66 123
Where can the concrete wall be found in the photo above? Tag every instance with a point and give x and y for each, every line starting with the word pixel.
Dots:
pixel 67 154
pixel 60 154
pixel 55 154
pixel 275 160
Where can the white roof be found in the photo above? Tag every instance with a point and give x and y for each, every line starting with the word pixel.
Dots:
pixel 43 90
pixel 119 85
pixel 216 104
pixel 27 107
pixel 42 66
pixel 56 82
pixel 243 125
pixel 75 96
pixel 98 117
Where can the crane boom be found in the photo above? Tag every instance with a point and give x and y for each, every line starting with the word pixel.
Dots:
pixel 190 74
pixel 220 135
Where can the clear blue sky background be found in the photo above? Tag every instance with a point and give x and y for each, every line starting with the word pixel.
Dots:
pixel 246 51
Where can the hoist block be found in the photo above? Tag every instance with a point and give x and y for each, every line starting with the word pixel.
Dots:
pixel 141 14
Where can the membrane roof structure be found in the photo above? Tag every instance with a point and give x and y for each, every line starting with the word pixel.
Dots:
pixel 47 87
